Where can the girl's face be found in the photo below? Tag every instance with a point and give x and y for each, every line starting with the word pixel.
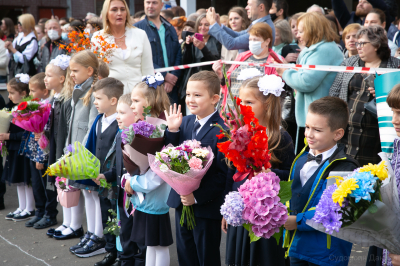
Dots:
pixel 249 99
pixel 204 26
pixel 235 21
pixel 139 102
pixel 53 80
pixel 293 27
pixel 14 95
pixel 125 116
pixel 79 73
pixel 37 92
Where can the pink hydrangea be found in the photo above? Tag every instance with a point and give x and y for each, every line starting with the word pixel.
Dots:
pixel 195 163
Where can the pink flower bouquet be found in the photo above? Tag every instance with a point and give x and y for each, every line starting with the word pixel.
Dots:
pixel 183 167
pixel 32 116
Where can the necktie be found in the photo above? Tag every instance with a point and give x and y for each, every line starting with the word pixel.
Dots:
pixel 195 128
pixel 317 158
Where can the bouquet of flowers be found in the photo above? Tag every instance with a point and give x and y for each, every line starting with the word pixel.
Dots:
pixel 5 119
pixel 77 164
pixel 362 207
pixel 183 167
pixel 32 115
pixel 113 224
pixel 259 206
pixel 247 144
pixel 80 41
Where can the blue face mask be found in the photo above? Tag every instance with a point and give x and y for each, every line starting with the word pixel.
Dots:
pixel 64 36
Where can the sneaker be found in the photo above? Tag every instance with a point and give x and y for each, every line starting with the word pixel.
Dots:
pixel 23 216
pixel 84 240
pixel 11 215
pixel 95 246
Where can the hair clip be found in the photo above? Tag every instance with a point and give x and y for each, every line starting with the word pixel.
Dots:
pixel 154 81
pixel 271 84
pixel 61 61
pixel 249 73
pixel 24 78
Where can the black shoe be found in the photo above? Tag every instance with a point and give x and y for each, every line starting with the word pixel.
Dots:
pixel 45 222
pixel 92 248
pixel 74 234
pixel 108 260
pixel 32 221
pixel 23 217
pixel 83 241
pixel 116 263
pixel 52 231
pixel 11 215
pixel 2 207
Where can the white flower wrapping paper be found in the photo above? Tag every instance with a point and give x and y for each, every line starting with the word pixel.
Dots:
pixel 381 229
pixel 5 120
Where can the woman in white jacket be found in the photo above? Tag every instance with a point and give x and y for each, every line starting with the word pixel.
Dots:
pixel 3 63
pixel 133 58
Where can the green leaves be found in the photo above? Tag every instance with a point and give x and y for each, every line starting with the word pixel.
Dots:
pixel 278 236
pixel 104 184
pixel 146 111
pixel 112 224
pixel 285 193
pixel 252 236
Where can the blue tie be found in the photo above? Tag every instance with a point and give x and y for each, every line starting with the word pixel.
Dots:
pixel 195 128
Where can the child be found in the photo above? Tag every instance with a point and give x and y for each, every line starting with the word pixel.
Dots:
pixel 151 224
pixel 101 136
pixel 104 70
pixel 267 109
pixel 325 125
pixel 13 173
pixel 200 246
pixel 36 158
pixel 83 67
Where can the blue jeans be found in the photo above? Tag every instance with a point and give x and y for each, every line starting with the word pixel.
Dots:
pixel 298 262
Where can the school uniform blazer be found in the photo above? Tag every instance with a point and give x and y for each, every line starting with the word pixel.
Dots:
pixel 210 194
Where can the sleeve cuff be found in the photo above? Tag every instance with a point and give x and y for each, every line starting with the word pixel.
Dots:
pixel 299 217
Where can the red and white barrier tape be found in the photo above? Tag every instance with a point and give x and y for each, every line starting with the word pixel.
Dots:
pixel 309 67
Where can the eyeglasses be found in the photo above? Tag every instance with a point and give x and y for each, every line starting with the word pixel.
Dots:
pixel 361 44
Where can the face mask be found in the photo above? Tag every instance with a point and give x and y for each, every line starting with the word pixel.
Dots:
pixel 255 47
pixel 53 35
pixel 64 36
pixel 273 16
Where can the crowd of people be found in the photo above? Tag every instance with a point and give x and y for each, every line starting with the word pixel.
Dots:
pixel 93 101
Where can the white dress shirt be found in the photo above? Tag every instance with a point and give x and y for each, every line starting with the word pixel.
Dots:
pixel 29 51
pixel 107 121
pixel 203 121
pixel 309 168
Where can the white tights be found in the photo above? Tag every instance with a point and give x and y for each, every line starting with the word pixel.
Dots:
pixel 93 213
pixel 25 199
pixel 157 256
pixel 74 215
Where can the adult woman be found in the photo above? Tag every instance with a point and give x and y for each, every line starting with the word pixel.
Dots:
pixel 23 48
pixel 362 135
pixel 349 38
pixel 133 54
pixel 179 24
pixel 316 34
pixel 7 26
pixel 238 21
pixel 283 36
pixel 290 53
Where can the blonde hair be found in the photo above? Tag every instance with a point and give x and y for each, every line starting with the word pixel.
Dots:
pixel 28 22
pixel 126 99
pixel 68 86
pixel 104 70
pixel 87 59
pixel 157 99
pixel 104 11
pixel 272 113
pixel 317 28
pixel 349 28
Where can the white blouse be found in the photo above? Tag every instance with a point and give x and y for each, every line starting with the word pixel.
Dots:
pixel 29 51
pixel 131 64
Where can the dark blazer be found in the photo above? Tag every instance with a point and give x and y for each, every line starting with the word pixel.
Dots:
pixel 210 194
pixel 63 125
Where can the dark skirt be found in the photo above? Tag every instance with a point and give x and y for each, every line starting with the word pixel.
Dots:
pixel 264 252
pixel 16 169
pixel 151 229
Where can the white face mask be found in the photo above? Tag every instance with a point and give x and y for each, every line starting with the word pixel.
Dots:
pixel 255 47
pixel 53 35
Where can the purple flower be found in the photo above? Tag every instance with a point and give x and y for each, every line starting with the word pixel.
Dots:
pixel 119 223
pixel 232 209
pixel 70 148
pixel 143 128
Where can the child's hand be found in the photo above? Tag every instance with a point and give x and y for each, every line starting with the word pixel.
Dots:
pixel 39 166
pixel 37 136
pixel 128 188
pixel 6 136
pixel 174 119
pixel 291 223
pixel 97 180
pixel 188 200
pixel 224 225
pixel 395 259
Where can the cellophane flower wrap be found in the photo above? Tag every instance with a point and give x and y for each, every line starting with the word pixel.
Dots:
pixel 5 120
pixel 32 116
pixel 183 168
pixel 247 144
pixel 77 164
pixel 362 207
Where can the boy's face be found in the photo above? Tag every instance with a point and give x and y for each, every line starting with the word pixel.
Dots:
pixel 396 120
pixel 125 116
pixel 36 92
pixel 138 103
pixel 102 102
pixel 198 99
pixel 319 135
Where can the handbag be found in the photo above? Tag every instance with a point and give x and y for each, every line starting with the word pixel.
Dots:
pixel 68 198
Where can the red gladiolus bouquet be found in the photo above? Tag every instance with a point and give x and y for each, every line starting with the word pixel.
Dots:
pixel 32 116
pixel 247 144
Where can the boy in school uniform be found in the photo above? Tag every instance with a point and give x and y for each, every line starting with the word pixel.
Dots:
pixel 326 121
pixel 200 246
